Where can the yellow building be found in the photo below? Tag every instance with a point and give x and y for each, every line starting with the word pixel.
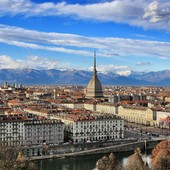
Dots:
pixel 109 108
pixel 167 99
pixel 141 115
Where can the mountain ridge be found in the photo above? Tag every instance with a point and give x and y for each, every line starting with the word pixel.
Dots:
pixel 30 76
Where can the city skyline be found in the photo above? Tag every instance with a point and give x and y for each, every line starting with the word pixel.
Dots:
pixel 47 34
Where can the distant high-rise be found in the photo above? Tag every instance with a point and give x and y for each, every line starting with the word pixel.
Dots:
pixel 6 85
pixel 94 88
pixel 55 93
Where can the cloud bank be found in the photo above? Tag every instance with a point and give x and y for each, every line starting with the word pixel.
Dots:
pixel 142 13
pixel 35 62
pixel 82 45
pixel 121 70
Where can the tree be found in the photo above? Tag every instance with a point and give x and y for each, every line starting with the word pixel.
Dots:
pixel 161 156
pixel 135 162
pixel 8 157
pixel 108 163
pixel 162 160
pixel 162 145
pixel 11 158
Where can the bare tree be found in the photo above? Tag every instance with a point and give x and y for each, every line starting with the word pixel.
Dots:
pixel 161 156
pixel 135 162
pixel 8 156
pixel 162 145
pixel 11 158
pixel 108 163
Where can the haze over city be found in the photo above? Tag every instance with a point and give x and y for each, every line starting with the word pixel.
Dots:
pixel 131 35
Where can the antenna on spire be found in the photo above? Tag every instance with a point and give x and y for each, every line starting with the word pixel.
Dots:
pixel 95 71
pixel 94 59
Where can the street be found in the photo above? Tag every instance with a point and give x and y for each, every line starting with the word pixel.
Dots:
pixel 133 130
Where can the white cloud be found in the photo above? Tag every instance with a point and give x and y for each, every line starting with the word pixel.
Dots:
pixel 121 70
pixel 7 62
pixel 143 36
pixel 124 73
pixel 151 12
pixel 143 13
pixel 37 62
pixel 81 45
pixel 158 11
pixel 142 63
pixel 106 11
pixel 30 62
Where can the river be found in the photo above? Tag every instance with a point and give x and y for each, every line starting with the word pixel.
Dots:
pixel 83 162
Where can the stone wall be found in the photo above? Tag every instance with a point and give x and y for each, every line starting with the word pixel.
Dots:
pixel 88 148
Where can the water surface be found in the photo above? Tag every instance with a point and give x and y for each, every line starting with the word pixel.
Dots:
pixel 82 162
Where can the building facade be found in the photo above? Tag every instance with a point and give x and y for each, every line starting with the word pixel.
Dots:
pixel 163 119
pixel 107 108
pixel 94 128
pixel 141 115
pixel 132 97
pixel 43 132
pixel 14 130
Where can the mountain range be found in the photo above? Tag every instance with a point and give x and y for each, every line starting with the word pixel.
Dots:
pixel 29 76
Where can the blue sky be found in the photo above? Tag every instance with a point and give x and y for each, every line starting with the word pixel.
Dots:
pixel 128 35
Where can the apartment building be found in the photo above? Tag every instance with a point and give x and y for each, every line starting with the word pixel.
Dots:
pixel 12 131
pixel 38 111
pixel 106 108
pixel 43 131
pixel 129 97
pixel 73 105
pixel 90 106
pixel 93 128
pixel 20 130
pixel 141 115
pixel 163 119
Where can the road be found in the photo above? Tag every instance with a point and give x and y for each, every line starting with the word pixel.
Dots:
pixel 136 130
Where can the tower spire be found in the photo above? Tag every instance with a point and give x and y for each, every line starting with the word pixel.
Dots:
pixel 95 71
pixel 94 59
pixel 94 88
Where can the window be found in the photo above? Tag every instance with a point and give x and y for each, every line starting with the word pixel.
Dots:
pixel 154 115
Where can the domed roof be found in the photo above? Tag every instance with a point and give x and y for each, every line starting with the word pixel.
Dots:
pixel 94 88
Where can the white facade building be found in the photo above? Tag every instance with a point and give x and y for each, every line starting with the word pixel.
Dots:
pixel 93 128
pixel 163 119
pixel 14 130
pixel 11 131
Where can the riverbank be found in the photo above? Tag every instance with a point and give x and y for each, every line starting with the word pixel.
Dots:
pixel 87 162
pixel 107 149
